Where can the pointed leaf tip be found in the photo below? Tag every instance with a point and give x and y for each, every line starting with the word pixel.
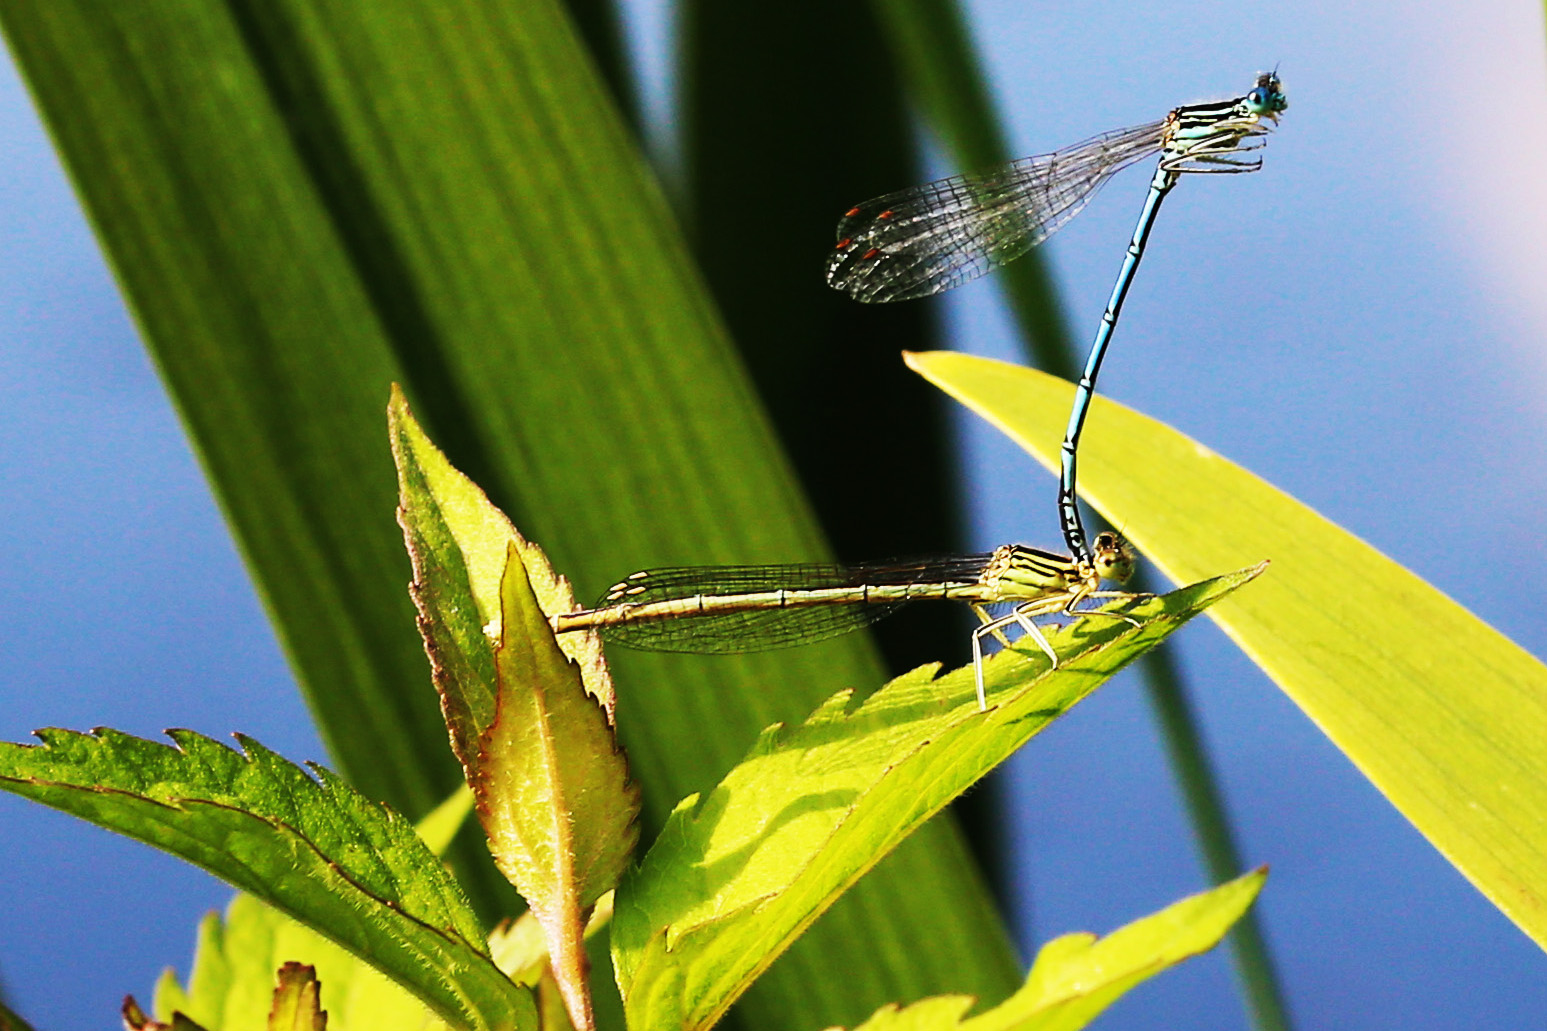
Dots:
pixel 457 541
pixel 1077 976
pixel 553 789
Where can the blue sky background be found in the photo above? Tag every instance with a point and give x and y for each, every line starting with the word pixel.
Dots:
pixel 1362 324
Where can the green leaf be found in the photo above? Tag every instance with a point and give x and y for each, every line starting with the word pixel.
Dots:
pixel 458 542
pixel 297 1005
pixel 1077 976
pixel 1442 713
pixel 533 728
pixel 318 851
pixel 552 788
pixel 737 875
pixel 232 981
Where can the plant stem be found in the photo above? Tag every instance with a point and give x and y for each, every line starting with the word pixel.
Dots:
pixel 1221 857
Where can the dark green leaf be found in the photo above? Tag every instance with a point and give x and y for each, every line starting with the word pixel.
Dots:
pixel 319 852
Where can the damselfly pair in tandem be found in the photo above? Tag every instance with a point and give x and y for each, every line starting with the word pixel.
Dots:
pixel 915 243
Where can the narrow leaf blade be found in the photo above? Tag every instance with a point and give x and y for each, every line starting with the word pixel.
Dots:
pixel 1441 712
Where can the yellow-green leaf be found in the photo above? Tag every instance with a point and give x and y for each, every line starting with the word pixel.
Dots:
pixel 458 541
pixel 232 982
pixel 1077 976
pixel 737 875
pixel 552 787
pixel 1446 716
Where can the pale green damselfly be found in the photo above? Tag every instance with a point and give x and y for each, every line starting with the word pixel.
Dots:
pixel 755 608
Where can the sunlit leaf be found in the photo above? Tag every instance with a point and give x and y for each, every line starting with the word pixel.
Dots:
pixel 1077 976
pixel 553 790
pixel 1445 715
pixel 737 874
pixel 530 715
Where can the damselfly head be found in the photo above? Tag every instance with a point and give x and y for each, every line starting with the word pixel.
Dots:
pixel 1267 99
pixel 1112 557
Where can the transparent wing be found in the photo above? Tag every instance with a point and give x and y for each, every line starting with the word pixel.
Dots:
pixel 931 238
pixel 754 631
pixel 773 627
